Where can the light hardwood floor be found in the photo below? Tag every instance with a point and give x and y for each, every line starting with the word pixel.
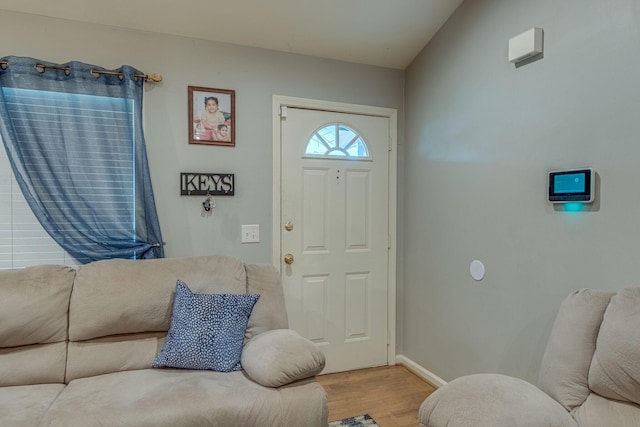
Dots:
pixel 391 395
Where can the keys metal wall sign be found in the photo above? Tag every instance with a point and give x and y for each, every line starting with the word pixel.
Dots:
pixel 206 184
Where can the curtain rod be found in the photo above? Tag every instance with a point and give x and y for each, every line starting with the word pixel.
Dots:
pixel 41 68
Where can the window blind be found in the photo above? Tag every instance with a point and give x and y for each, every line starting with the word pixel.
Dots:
pixel 99 177
pixel 23 241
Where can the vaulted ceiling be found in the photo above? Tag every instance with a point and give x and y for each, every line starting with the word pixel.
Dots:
pixel 387 33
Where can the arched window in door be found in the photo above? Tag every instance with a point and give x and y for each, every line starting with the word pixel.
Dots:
pixel 337 140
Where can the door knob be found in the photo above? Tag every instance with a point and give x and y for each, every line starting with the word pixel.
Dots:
pixel 288 259
pixel 288 226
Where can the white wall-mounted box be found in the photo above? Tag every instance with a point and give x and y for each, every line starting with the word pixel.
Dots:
pixel 525 45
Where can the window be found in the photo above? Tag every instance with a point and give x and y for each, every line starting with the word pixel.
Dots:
pixel 23 241
pixel 106 188
pixel 337 141
pixel 75 144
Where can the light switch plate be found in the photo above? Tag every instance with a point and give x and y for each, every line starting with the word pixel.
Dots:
pixel 250 233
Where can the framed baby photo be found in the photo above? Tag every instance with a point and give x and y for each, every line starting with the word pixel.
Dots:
pixel 212 116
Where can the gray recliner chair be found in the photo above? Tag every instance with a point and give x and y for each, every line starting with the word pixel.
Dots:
pixel 589 377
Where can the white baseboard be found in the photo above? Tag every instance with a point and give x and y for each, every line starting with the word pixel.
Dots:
pixel 426 375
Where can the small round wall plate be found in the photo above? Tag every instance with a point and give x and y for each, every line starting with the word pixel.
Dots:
pixel 477 270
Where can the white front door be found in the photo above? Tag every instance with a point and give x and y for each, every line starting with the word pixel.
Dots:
pixel 334 233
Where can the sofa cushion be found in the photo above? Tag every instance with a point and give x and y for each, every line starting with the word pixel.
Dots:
pixel 281 356
pixel 270 311
pixel 34 303
pixel 207 330
pixel 492 400
pixel 24 406
pixel 615 369
pixel 567 358
pixel 33 364
pixel 113 354
pixel 118 296
pixel 180 398
pixel 600 412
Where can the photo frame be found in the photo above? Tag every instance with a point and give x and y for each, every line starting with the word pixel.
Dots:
pixel 212 116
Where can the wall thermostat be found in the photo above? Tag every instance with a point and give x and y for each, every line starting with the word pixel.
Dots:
pixel 572 186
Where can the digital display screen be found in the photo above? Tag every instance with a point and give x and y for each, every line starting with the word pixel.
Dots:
pixel 571 186
pixel 569 183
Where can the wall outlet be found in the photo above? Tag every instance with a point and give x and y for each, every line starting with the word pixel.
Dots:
pixel 250 233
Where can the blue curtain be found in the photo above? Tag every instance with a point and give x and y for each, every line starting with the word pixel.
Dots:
pixel 75 142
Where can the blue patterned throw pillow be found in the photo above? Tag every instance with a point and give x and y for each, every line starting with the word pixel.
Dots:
pixel 207 330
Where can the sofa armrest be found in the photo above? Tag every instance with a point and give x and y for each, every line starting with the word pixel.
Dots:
pixel 492 400
pixel 281 356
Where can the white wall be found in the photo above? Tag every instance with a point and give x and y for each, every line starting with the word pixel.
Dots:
pixel 480 138
pixel 254 74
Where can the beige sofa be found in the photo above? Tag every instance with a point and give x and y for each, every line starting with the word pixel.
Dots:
pixel 76 348
pixel 590 374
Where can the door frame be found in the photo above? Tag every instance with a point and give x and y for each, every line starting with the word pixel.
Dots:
pixel 278 102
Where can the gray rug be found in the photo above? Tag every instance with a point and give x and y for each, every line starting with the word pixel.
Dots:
pixel 360 421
